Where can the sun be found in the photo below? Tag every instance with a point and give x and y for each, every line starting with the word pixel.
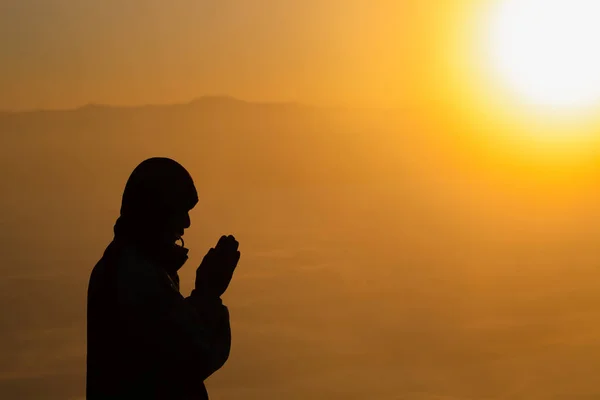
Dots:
pixel 548 51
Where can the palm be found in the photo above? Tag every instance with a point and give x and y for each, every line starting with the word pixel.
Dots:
pixel 216 270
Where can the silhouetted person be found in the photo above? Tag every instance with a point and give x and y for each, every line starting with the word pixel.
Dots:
pixel 145 340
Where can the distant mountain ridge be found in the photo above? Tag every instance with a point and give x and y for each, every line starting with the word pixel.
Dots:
pixel 221 101
pixel 267 144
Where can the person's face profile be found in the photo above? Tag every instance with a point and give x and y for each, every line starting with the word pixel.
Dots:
pixel 177 222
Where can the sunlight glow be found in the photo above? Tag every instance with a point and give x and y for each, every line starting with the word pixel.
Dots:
pixel 548 51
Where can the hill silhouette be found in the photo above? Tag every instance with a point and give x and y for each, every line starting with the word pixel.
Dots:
pixel 261 144
pixel 209 101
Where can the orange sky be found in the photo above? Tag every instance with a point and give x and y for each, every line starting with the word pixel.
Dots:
pixel 64 53
pixel 376 53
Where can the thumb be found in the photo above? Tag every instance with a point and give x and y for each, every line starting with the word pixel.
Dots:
pixel 208 257
pixel 210 253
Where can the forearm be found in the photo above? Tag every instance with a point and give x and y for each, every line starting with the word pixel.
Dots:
pixel 214 317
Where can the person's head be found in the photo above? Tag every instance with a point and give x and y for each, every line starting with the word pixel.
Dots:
pixel 156 202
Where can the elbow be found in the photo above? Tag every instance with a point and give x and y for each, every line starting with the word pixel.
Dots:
pixel 210 362
pixel 220 356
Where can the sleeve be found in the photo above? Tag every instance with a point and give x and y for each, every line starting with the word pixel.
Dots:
pixel 191 335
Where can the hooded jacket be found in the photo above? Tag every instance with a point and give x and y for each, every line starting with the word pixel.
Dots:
pixel 145 339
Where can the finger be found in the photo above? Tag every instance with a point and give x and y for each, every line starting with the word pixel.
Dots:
pixel 221 244
pixel 229 258
pixel 209 255
pixel 234 243
pixel 234 260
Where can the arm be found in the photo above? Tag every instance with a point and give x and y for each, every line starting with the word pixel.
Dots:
pixel 215 317
pixel 191 337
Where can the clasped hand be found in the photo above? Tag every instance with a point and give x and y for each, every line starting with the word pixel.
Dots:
pixel 216 269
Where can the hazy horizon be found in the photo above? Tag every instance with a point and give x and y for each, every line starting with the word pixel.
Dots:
pixel 205 97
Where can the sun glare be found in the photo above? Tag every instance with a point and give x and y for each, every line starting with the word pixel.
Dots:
pixel 548 51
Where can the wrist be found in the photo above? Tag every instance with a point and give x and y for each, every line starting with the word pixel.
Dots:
pixel 206 296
